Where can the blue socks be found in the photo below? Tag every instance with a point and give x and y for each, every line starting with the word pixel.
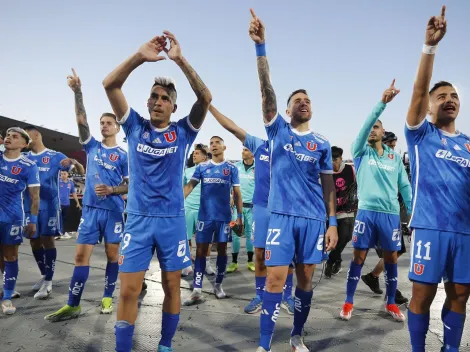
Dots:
pixel 10 275
pixel 169 325
pixel 124 333
pixel 221 265
pixel 288 286
pixel 302 309
pixel 418 325
pixel 199 269
pixel 110 279
pixel 260 282
pixel 39 256
pixel 77 285
pixel 453 329
pixel 269 315
pixel 354 274
pixel 391 280
pixel 50 256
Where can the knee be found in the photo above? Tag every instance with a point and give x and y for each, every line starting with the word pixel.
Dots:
pixel 48 242
pixel 359 260
pixel 222 249
pixel 275 282
pixel 130 292
pixel 81 259
pixel 171 287
pixel 112 254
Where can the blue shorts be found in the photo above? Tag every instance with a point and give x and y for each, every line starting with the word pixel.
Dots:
pixel 437 255
pixel 294 237
pixel 100 223
pixel 48 223
pixel 260 225
pixel 373 228
pixel 145 234
pixel 209 231
pixel 11 234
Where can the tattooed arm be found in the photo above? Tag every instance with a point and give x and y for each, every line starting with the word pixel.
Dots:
pixel 76 85
pixel 204 97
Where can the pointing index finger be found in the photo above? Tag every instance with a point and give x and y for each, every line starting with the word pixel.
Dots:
pixel 393 83
pixel 74 73
pixel 253 13
pixel 443 11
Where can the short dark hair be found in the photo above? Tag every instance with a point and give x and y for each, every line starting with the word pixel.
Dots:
pixel 31 128
pixel 218 138
pixel 2 134
pixel 439 85
pixel 201 148
pixel 294 93
pixel 389 137
pixel 336 152
pixel 168 85
pixel 108 114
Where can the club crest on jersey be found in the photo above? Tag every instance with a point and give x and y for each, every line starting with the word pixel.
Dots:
pixel 170 136
pixel 467 146
pixel 418 269
pixel 391 156
pixel 444 141
pixel 121 259
pixel 354 238
pixel 15 170
pixel 145 135
pixel 268 254
pixel 45 159
pixel 226 172
pixel 113 157
pixel 311 146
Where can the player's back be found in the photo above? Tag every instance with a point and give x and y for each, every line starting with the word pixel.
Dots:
pixel 440 168
pixel 297 159
pixel 260 150
pixel 156 162
pixel 15 176
pixel 105 165
pixel 216 181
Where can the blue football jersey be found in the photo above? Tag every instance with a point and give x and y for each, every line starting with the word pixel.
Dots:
pixel 48 163
pixel 105 165
pixel 260 150
pixel 65 190
pixel 216 181
pixel 297 159
pixel 156 162
pixel 440 173
pixel 15 176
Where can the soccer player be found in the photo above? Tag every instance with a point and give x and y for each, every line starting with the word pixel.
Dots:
pixel 191 205
pixel 372 279
pixel 298 216
pixel 345 180
pixel 380 176
pixel 440 159
pixel 66 188
pixel 217 177
pixel 246 172
pixel 106 180
pixel 16 174
pixel 50 163
pixel 158 150
pixel 260 149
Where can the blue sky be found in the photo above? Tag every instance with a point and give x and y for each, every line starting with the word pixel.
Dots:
pixel 345 53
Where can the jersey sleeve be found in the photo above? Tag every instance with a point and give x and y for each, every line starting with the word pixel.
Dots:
pixel 125 166
pixel 235 177
pixel 197 174
pixel 415 134
pixel 404 186
pixel 190 132
pixel 273 126
pixel 360 143
pixel 33 177
pixel 89 144
pixel 326 161
pixel 252 142
pixel 131 121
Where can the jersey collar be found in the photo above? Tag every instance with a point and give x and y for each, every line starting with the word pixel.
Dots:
pixel 298 132
pixel 45 150
pixel 10 160
pixel 214 163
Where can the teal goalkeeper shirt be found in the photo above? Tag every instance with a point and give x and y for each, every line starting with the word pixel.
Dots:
pixel 247 181
pixel 379 178
pixel 192 201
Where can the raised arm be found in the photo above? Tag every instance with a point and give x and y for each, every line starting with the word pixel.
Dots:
pixel 76 85
pixel 149 52
pixel 269 103
pixel 360 142
pixel 435 31
pixel 30 228
pixel 188 188
pixel 228 124
pixel 204 97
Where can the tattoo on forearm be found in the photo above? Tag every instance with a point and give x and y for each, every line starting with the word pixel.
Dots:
pixel 34 194
pixel 195 81
pixel 83 128
pixel 267 90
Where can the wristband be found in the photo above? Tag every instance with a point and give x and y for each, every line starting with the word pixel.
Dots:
pixel 33 219
pixel 332 221
pixel 429 50
pixel 260 49
pixel 239 216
